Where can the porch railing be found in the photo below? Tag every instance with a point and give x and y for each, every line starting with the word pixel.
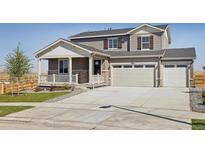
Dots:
pixel 56 78
pixel 98 78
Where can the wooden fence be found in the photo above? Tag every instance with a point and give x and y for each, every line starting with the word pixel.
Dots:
pixel 199 80
pixel 17 87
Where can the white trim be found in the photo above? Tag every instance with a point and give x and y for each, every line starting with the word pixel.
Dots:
pixel 102 54
pixel 70 70
pixel 145 25
pixel 57 41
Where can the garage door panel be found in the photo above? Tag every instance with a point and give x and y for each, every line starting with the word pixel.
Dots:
pixel 175 77
pixel 133 77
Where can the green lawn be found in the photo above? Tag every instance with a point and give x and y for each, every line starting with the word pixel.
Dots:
pixel 198 124
pixel 31 97
pixel 5 110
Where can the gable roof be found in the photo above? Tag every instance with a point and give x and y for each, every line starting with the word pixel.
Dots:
pixel 80 46
pixel 114 32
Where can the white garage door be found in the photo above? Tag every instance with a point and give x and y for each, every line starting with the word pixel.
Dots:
pixel 133 76
pixel 175 76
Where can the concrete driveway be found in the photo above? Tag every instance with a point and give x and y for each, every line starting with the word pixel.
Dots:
pixel 110 108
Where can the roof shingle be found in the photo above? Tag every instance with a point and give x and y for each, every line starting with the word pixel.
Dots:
pixel 109 32
pixel 180 53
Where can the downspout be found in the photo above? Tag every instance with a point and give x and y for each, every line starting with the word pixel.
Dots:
pixel 159 69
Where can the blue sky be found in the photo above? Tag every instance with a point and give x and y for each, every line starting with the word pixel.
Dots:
pixel 36 36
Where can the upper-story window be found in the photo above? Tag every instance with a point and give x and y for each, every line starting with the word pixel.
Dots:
pixel 145 42
pixel 113 43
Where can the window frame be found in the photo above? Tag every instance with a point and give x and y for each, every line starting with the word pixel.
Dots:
pixel 59 60
pixel 112 46
pixel 143 36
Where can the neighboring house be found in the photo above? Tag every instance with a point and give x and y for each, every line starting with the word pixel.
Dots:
pixel 137 56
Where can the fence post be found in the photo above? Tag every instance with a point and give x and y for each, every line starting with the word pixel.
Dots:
pixel 1 88
pixel 54 78
pixel 76 78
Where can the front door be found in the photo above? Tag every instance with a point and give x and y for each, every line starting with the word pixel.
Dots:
pixel 97 67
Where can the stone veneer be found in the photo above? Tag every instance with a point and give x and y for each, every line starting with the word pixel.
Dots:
pixel 196 100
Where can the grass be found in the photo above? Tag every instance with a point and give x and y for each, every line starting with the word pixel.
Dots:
pixel 31 97
pixel 5 110
pixel 198 124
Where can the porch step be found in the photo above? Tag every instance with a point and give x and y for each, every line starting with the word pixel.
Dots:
pixel 97 85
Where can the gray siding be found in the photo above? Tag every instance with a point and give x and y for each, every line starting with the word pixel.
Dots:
pixel 130 42
pixel 157 38
pixel 98 42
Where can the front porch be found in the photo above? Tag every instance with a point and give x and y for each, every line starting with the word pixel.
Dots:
pixel 69 63
pixel 72 71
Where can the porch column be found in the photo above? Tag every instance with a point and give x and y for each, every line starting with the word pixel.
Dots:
pixel 159 74
pixel 70 70
pixel 90 69
pixel 39 70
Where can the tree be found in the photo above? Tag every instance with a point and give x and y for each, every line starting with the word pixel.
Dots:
pixel 204 68
pixel 17 64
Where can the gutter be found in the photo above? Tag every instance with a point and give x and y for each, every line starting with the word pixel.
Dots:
pixel 99 53
pixel 143 56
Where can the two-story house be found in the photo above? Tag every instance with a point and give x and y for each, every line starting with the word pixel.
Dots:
pixel 138 56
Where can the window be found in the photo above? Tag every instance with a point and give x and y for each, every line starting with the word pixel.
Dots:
pixel 145 42
pixel 117 66
pixel 149 66
pixel 185 66
pixel 113 42
pixel 127 66
pixel 63 66
pixel 138 66
pixel 169 66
